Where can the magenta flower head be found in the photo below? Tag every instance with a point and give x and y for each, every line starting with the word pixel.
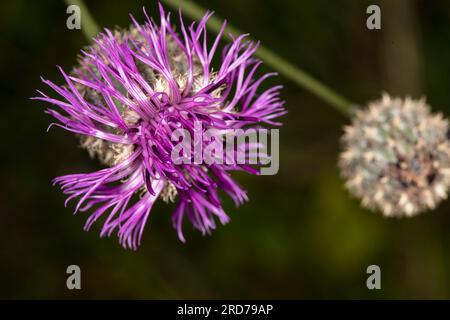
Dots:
pixel 131 91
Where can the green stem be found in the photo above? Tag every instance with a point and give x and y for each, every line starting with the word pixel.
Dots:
pixel 287 69
pixel 88 25
pixel 273 60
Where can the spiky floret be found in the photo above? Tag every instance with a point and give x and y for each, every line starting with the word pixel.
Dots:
pixel 396 156
pixel 130 91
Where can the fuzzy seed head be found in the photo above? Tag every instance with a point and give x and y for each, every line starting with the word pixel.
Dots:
pixel 396 156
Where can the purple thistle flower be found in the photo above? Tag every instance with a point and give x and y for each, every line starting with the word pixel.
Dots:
pixel 132 89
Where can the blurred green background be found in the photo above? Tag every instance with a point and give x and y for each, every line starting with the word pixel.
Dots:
pixel 300 236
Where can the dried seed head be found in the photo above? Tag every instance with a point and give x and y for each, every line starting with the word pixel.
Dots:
pixel 396 156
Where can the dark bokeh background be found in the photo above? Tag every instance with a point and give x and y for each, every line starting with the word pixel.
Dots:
pixel 300 236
